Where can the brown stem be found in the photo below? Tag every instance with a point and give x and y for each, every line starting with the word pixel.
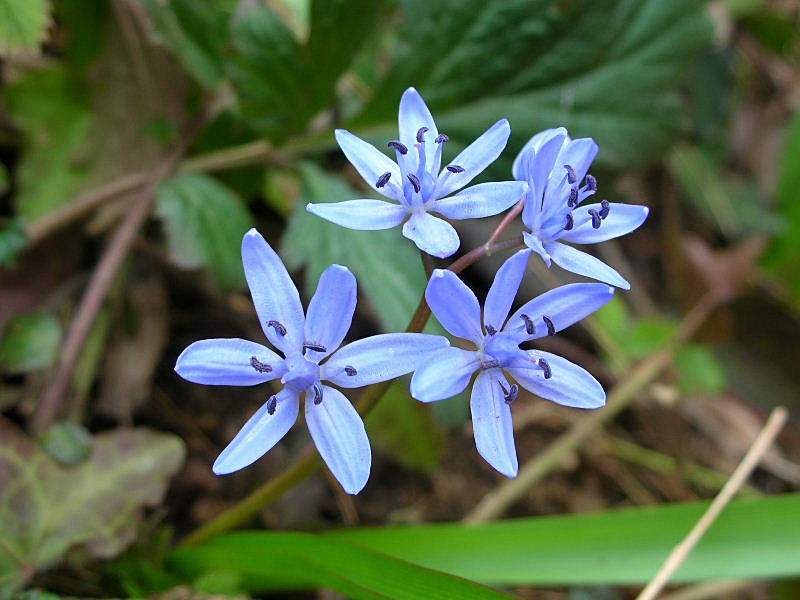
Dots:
pixel 427 264
pixel 507 220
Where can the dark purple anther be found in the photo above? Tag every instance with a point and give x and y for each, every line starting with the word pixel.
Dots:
pixel 551 329
pixel 454 169
pixel 421 134
pixel 591 183
pixel 415 182
pixel 398 146
pixel 441 138
pixel 490 330
pixel 278 327
pixel 596 218
pixel 315 347
pixel 490 364
pixel 546 368
pixel 317 394
pixel 529 327
pixel 570 222
pixel 573 197
pixel 383 179
pixel 351 372
pixel 511 394
pixel 605 208
pixel 272 404
pixel 259 366
pixel 571 176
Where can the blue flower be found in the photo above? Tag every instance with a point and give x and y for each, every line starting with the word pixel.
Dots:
pixel 308 343
pixel 448 371
pixel 554 166
pixel 416 182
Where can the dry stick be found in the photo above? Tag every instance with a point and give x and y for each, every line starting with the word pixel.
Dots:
pixel 754 455
pixel 497 501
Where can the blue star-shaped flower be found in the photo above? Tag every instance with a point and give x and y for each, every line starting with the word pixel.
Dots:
pixel 448 371
pixel 416 182
pixel 308 344
pixel 554 166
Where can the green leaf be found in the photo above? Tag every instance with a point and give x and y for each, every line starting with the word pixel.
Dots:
pixel 204 222
pixel 29 342
pixel 751 539
pixel 23 23
pixel 68 443
pixel 12 241
pixel 46 509
pixel 700 372
pixel 280 561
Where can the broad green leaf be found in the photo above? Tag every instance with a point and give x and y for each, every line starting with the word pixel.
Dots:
pixel 280 561
pixel 47 509
pixel 12 241
pixel 751 539
pixel 204 222
pixel 23 23
pixel 699 370
pixel 68 443
pixel 29 342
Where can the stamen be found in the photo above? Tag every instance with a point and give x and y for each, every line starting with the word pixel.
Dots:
pixel 442 138
pixel 317 394
pixel 398 146
pixel 596 218
pixel 546 368
pixel 605 208
pixel 272 404
pixel 350 371
pixel 454 169
pixel 572 177
pixel 490 364
pixel 551 329
pixel 529 327
pixel 490 330
pixel 315 347
pixel 421 134
pixel 383 179
pixel 570 222
pixel 511 394
pixel 415 182
pixel 278 327
pixel 573 197
pixel 259 366
pixel 591 183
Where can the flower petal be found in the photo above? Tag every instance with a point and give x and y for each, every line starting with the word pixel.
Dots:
pixel 569 385
pixel 532 146
pixel 579 155
pixel 621 219
pixel 228 361
pixel 504 289
pixel 575 261
pixel 330 311
pixel 380 357
pixel 491 423
pixel 412 116
pixel 482 200
pixel 340 437
pixel 445 374
pixel 534 243
pixel 370 162
pixel 261 432
pixel 474 159
pixel 454 305
pixel 432 234
pixel 361 214
pixel 274 295
pixel 563 306
pixel 539 167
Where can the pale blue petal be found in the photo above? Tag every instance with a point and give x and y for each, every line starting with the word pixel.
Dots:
pixel 361 214
pixel 504 289
pixel 227 361
pixel 575 261
pixel 491 423
pixel 261 432
pixel 432 234
pixel 330 311
pixel 621 219
pixel 380 358
pixel 534 243
pixel 454 305
pixel 412 116
pixel 518 169
pixel 539 167
pixel 340 437
pixel 570 385
pixel 274 295
pixel 563 305
pixel 579 155
pixel 482 200
pixel 474 159
pixel 445 374
pixel 370 162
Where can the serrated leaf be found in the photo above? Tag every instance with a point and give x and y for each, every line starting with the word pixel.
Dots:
pixel 29 342
pixel 204 222
pixel 23 23
pixel 46 509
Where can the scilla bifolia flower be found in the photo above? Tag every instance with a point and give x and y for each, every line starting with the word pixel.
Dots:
pixel 418 184
pixel 309 344
pixel 448 371
pixel 554 166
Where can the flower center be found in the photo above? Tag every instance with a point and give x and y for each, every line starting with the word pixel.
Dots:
pixel 302 373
